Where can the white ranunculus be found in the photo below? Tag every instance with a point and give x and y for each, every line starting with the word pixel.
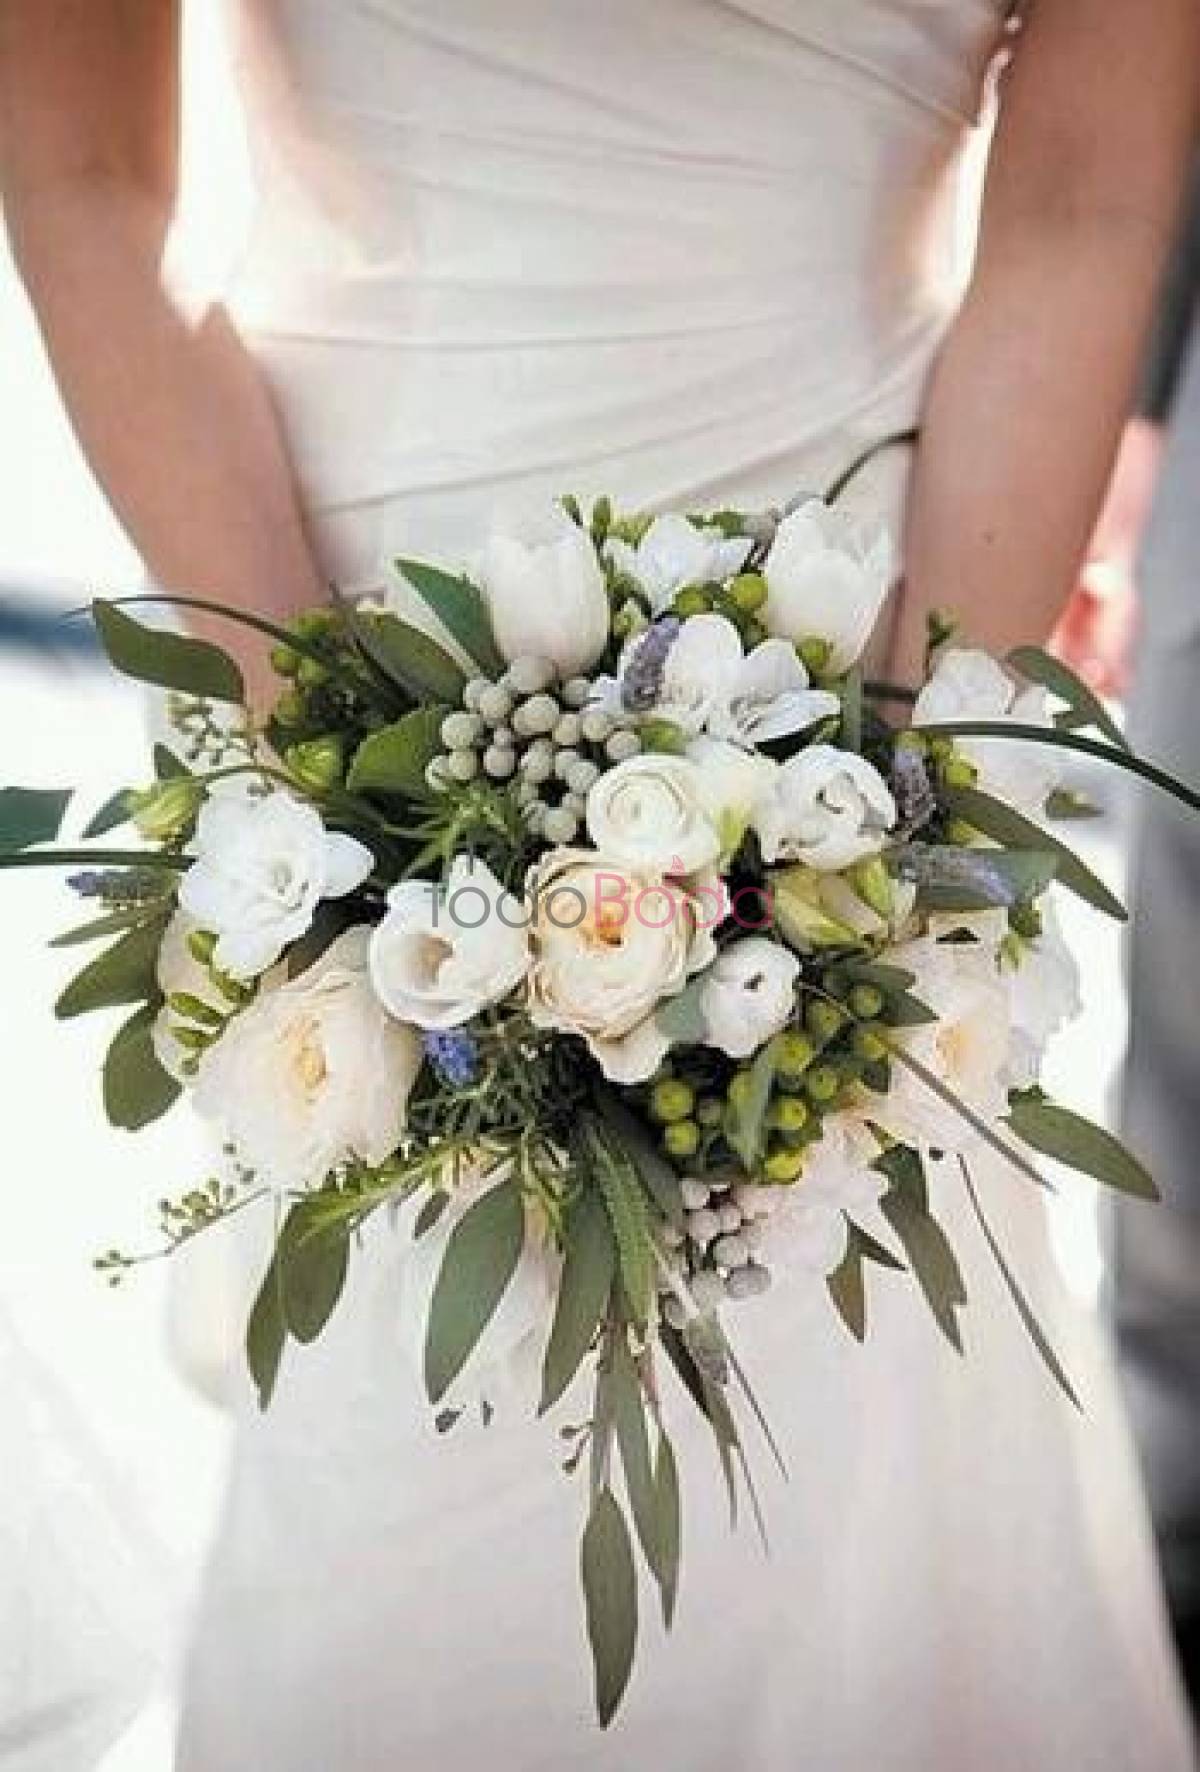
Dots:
pixel 262 867
pixel 968 684
pixel 547 600
pixel 675 552
pixel 312 1073
pixel 830 808
pixel 443 953
pixel 802 1228
pixel 827 577
pixel 749 993
pixel 610 943
pixel 650 813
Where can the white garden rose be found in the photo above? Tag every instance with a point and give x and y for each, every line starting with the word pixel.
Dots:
pixel 675 552
pixel 610 943
pixel 748 995
pixel 547 600
pixel 827 577
pixel 968 684
pixel 312 1073
pixel 650 813
pixel 829 808
pixel 261 868
pixel 443 953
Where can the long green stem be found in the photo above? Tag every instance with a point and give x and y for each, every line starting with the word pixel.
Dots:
pixel 107 858
pixel 1070 741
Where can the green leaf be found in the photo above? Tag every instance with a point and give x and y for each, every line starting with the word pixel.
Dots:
pixel 266 1334
pixel 30 815
pixel 124 973
pixel 891 980
pixel 610 1599
pixel 460 607
pixel 1006 826
pixel 983 1128
pixel 408 658
pixel 393 760
pixel 1017 732
pixel 137 1089
pixel 927 1249
pixel 957 879
pixel 625 1203
pixel 847 1283
pixel 748 1120
pixel 114 924
pixel 1023 1308
pixel 662 1183
pixel 168 765
pixel 583 1294
pixel 669 1526
pixel 681 1018
pixel 171 661
pixel 633 1441
pixel 312 1265
pixel 1051 673
pixel 1057 1132
pixel 479 1260
pixel 114 812
pixel 907 1011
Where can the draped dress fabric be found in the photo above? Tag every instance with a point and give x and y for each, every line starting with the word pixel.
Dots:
pixel 687 251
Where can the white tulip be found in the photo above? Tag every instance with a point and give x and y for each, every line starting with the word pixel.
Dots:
pixel 649 813
pixel 262 867
pixel 675 552
pixel 748 995
pixel 547 600
pixel 609 945
pixel 827 577
pixel 968 684
pixel 443 953
pixel 830 808
pixel 312 1073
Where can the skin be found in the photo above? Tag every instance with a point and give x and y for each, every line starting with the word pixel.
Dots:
pixel 1023 411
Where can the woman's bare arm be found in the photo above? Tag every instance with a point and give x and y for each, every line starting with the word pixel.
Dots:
pixel 167 405
pixel 1030 393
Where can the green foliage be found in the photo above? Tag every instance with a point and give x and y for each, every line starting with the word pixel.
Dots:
pixel 1068 1138
pixel 394 759
pixel 1010 828
pixel 747 1129
pixel 1083 708
pixel 115 811
pixel 927 1249
pixel 460 607
pixel 480 1257
pixel 124 973
pixel 847 1283
pixel 625 1202
pixel 958 879
pixel 408 658
pixel 137 1089
pixel 267 1333
pixel 660 1180
pixel 583 1294
pixel 610 1598
pixel 168 660
pixel 669 1526
pixel 29 816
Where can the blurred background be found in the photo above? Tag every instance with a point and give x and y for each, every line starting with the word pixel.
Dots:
pixel 128 1457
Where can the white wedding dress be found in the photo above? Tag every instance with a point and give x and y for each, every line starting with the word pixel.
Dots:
pixel 688 252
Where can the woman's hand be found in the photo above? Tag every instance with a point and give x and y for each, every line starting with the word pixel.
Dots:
pixel 167 405
pixel 1027 401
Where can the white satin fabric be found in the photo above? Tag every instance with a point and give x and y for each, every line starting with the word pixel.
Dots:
pixel 681 251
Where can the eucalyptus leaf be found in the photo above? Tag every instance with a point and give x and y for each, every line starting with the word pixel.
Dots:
pixel 583 1294
pixel 30 815
pixel 625 1202
pixel 124 973
pixel 460 607
pixel 479 1261
pixel 166 659
pixel 1057 1132
pixel 137 1089
pixel 408 658
pixel 1086 709
pixel 312 1263
pixel 610 1599
pixel 669 1525
pixel 747 1130
pixel 847 1283
pixel 115 923
pixel 927 1249
pixel 661 1180
pixel 429 1214
pixel 633 1442
pixel 266 1335
pixel 950 878
pixel 682 1018
pixel 115 811
pixel 394 760
pixel 1007 826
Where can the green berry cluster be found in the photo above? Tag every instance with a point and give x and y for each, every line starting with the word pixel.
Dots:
pixel 740 601
pixel 329 695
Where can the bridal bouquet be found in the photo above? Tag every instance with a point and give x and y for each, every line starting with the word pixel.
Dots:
pixel 604 923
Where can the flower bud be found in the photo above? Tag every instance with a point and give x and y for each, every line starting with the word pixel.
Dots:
pixel 873 884
pixel 319 762
pixel 164 810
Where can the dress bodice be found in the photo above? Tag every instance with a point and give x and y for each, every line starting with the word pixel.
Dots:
pixel 672 249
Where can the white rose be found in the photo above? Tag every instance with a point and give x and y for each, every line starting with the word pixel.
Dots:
pixel 674 553
pixel 609 945
pixel 443 953
pixel 830 808
pixel 649 813
pixel 748 995
pixel 802 1228
pixel 968 684
pixel 312 1073
pixel 827 577
pixel 262 867
pixel 548 600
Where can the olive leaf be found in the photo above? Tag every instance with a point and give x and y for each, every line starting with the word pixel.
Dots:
pixel 583 1294
pixel 927 1249
pixel 610 1599
pixel 1083 707
pixel 479 1260
pixel 312 1260
pixel 166 659
pixel 847 1283
pixel 1068 1138
pixel 1007 826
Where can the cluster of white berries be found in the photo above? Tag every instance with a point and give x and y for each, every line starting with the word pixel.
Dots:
pixel 721 1239
pixel 530 728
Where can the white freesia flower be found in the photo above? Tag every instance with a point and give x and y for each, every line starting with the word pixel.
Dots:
pixel 830 808
pixel 312 1073
pixel 802 1228
pixel 968 684
pixel 827 577
pixel 748 995
pixel 673 553
pixel 610 943
pixel 547 600
pixel 443 953
pixel 262 867
pixel 650 813
pixel 815 910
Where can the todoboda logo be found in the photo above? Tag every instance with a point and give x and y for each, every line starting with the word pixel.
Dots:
pixel 607 901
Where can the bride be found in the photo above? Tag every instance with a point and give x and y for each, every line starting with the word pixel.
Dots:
pixel 688 252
